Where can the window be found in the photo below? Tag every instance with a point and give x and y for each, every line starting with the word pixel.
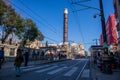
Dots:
pixel 119 2
pixel 12 51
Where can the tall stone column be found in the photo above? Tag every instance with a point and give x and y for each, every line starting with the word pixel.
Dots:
pixel 65 27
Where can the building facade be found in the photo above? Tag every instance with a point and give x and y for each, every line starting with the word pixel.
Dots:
pixel 111 31
pixel 77 49
pixel 116 4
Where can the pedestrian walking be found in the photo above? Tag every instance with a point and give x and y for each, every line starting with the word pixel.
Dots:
pixel 59 55
pixel 51 55
pixel 33 54
pixel 95 59
pixel 18 61
pixel 26 56
pixel 1 56
pixel 37 55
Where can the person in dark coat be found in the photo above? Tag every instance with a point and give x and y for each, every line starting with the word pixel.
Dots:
pixel 26 56
pixel 33 55
pixel 59 55
pixel 18 61
pixel 42 54
pixel 1 56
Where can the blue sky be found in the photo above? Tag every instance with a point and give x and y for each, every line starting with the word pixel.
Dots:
pixel 48 15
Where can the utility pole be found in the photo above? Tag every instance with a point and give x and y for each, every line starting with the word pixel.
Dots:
pixel 102 18
pixel 96 41
pixel 103 24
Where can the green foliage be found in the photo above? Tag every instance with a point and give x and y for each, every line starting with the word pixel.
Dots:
pixel 40 35
pixel 2 10
pixel 12 22
pixel 30 32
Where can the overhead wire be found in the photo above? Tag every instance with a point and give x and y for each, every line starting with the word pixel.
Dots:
pixel 51 39
pixel 53 28
pixel 87 7
pixel 31 17
pixel 76 19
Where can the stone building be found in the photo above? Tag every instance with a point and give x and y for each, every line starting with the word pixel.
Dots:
pixel 77 49
pixel 73 50
pixel 36 44
pixel 9 50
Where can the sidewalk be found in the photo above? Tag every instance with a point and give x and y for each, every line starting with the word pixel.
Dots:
pixel 98 75
pixel 7 73
pixel 36 62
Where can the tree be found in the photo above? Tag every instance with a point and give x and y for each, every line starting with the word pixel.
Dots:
pixel 40 35
pixel 2 10
pixel 30 32
pixel 12 22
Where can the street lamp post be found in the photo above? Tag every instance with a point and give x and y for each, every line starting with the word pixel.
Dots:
pixel 103 24
pixel 102 18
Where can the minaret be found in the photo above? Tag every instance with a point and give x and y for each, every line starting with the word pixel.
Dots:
pixel 65 27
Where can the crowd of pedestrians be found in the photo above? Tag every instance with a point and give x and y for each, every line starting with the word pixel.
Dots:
pixel 24 55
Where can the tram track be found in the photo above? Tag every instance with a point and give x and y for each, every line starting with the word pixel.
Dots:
pixel 76 77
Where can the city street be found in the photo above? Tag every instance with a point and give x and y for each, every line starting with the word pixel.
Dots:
pixel 60 40
pixel 65 70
